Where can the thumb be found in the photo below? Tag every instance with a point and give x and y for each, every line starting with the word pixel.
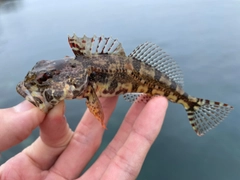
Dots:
pixel 17 123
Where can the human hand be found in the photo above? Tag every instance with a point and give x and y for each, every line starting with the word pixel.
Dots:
pixel 60 153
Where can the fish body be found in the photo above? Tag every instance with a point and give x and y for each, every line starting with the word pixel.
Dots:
pixel 100 68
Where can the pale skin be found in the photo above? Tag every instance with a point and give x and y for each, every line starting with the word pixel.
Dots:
pixel 60 153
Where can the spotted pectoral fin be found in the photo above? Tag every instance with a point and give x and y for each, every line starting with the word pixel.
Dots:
pixel 137 97
pixel 86 46
pixel 94 105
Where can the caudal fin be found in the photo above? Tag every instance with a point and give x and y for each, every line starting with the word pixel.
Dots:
pixel 207 115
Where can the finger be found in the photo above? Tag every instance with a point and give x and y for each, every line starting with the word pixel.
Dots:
pixel 17 123
pixel 98 168
pixel 55 135
pixel 84 143
pixel 129 158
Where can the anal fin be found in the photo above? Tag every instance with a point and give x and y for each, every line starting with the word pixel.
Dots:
pixel 137 97
pixel 94 105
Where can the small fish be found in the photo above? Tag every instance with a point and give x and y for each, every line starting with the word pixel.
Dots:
pixel 100 68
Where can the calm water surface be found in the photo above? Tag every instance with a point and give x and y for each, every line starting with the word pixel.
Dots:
pixel 203 36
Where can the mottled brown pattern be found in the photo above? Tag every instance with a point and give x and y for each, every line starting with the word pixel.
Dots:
pixel 108 73
pixel 97 74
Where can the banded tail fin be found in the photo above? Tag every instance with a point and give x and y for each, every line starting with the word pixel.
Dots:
pixel 207 115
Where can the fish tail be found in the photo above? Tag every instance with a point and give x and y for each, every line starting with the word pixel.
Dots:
pixel 204 114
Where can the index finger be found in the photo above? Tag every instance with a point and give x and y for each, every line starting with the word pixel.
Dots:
pixel 128 159
pixel 17 123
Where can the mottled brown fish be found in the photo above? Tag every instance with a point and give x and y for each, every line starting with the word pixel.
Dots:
pixel 100 68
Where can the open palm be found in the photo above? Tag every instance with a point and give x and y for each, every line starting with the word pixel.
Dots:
pixel 60 153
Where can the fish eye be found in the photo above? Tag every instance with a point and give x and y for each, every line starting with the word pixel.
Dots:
pixel 44 77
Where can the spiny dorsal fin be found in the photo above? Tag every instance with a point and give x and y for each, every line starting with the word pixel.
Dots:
pixel 154 56
pixel 86 46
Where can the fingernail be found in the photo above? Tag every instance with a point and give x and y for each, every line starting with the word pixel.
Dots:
pixel 58 109
pixel 23 106
pixel 62 104
pixel 64 108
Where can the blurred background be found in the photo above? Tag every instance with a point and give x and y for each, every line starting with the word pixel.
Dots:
pixel 203 36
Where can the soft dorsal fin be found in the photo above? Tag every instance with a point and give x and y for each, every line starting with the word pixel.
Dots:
pixel 154 56
pixel 86 46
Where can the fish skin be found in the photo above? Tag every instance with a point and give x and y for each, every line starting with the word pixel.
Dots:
pixel 107 71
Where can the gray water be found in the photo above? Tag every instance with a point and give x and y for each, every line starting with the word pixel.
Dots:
pixel 203 36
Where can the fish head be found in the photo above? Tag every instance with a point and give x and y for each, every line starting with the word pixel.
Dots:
pixel 51 81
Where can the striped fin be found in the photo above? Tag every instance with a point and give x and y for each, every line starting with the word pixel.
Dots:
pixel 154 56
pixel 95 45
pixel 207 116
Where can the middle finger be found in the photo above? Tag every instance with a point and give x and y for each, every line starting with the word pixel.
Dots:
pixel 85 141
pixel 99 167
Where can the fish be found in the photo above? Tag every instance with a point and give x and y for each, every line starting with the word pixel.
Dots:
pixel 100 68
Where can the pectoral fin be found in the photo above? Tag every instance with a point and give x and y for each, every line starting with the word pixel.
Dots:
pixel 94 105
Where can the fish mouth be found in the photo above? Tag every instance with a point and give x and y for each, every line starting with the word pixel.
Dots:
pixel 36 98
pixel 24 92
